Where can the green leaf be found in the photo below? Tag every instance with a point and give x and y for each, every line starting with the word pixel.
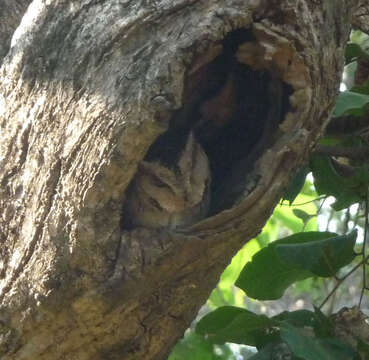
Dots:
pixel 349 101
pixel 326 180
pixel 285 216
pixel 361 89
pixel 307 347
pixel 196 347
pixel 331 140
pixel 287 219
pixel 237 325
pixel 346 190
pixel 267 276
pixel 323 325
pixel 323 257
pixel 274 351
pixel 296 185
pixel 265 354
pixel 299 318
pixel 353 52
pixel 339 350
pixel 363 349
pixel 303 215
pixel 218 319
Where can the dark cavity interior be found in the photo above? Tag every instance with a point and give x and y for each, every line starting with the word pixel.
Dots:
pixel 234 114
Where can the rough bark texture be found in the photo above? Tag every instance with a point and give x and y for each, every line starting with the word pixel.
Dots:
pixel 86 88
pixel 11 12
pixel 360 16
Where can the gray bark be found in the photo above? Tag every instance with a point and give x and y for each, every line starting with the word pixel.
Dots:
pixel 85 89
pixel 11 13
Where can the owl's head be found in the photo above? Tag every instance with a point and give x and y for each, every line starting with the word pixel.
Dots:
pixel 182 186
pixel 170 197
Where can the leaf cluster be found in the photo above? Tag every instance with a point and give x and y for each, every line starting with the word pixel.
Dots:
pixel 340 169
pixel 302 334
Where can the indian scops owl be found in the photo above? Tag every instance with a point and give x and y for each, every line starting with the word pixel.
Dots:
pixel 171 197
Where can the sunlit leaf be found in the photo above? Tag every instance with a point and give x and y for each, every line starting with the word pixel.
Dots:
pixel 286 217
pixel 360 38
pixel 269 233
pixel 305 202
pixel 308 190
pixel 323 257
pixel 267 276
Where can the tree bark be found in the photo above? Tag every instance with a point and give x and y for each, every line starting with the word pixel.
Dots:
pixel 360 16
pixel 86 88
pixel 11 12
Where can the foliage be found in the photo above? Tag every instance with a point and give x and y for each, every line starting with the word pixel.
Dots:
pixel 351 102
pixel 195 347
pixel 347 190
pixel 294 258
pixel 265 269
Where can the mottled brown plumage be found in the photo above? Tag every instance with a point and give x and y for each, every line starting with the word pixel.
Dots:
pixel 171 197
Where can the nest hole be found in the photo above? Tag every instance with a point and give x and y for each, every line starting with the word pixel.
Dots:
pixel 234 114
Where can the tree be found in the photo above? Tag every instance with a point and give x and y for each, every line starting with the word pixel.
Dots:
pixel 87 89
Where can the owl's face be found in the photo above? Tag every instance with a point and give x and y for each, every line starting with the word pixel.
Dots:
pixel 162 187
pixel 171 197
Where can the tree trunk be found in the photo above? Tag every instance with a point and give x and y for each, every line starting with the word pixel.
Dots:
pixel 88 91
pixel 11 12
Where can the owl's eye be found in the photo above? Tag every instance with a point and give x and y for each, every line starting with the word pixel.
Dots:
pixel 155 203
pixel 158 182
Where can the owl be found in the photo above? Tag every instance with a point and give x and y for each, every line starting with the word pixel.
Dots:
pixel 171 197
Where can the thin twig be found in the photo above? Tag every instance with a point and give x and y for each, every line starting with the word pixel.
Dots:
pixel 340 281
pixel 321 205
pixel 364 247
pixel 331 214
pixel 331 304
pixel 323 197
pixel 346 220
